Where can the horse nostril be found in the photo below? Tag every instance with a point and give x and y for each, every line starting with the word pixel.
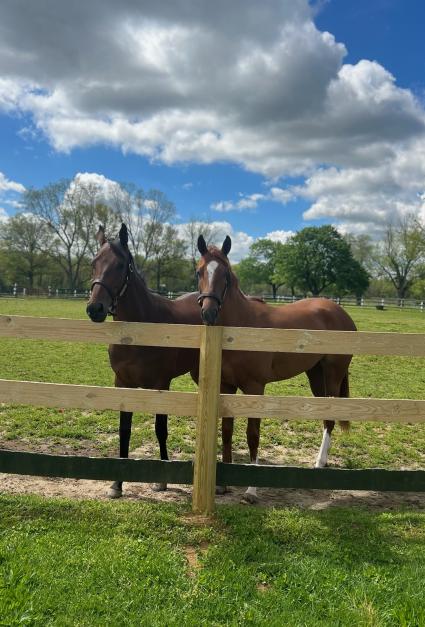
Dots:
pixel 209 316
pixel 94 308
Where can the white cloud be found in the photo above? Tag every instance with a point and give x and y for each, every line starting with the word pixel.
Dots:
pixel 279 236
pixel 8 193
pixel 251 201
pixel 10 186
pixel 241 241
pixel 251 83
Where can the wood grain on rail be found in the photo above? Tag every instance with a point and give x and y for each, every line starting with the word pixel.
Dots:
pixel 329 408
pixel 234 338
pixel 96 397
pixel 324 342
pixel 126 333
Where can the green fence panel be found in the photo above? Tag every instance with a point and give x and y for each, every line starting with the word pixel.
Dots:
pixel 106 468
pixel 320 478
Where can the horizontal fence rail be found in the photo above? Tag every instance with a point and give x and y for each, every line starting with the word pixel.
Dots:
pixel 181 472
pixel 66 395
pixel 209 405
pixel 233 338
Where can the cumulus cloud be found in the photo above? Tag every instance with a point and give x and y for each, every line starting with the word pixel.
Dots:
pixel 251 201
pixel 279 236
pixel 241 241
pixel 10 192
pixel 6 185
pixel 248 82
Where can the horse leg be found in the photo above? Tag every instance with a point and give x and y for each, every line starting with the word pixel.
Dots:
pixel 328 379
pixel 161 431
pixel 226 435
pixel 253 439
pixel 115 491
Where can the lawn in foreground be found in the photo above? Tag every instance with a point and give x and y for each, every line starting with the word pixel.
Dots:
pixel 100 563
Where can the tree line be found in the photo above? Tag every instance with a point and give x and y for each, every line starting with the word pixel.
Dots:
pixel 51 242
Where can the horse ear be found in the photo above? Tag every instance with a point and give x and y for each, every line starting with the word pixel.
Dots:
pixel 100 235
pixel 202 245
pixel 123 235
pixel 227 245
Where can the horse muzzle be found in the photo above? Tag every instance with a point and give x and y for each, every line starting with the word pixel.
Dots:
pixel 97 312
pixel 209 316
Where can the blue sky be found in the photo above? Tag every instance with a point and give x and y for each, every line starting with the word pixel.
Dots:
pixel 260 117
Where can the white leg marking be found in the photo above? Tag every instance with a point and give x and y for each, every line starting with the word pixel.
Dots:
pixel 322 457
pixel 251 493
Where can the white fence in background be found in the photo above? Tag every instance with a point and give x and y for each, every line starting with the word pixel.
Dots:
pixel 348 301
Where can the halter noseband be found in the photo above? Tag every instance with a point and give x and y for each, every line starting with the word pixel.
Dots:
pixel 215 296
pixel 114 299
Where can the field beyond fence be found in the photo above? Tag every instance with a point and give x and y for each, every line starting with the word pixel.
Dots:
pixel 376 302
pixel 208 404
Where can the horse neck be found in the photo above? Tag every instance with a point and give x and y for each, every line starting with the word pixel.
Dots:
pixel 236 307
pixel 136 304
pixel 139 304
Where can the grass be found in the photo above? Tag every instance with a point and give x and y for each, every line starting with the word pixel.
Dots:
pixel 91 563
pixel 96 563
pixel 370 444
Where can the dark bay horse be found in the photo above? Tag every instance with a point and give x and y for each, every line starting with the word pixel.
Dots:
pixel 222 302
pixel 119 289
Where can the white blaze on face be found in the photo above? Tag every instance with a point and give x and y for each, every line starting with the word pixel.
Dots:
pixel 211 268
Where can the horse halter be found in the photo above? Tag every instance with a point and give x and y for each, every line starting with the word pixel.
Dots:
pixel 114 299
pixel 219 300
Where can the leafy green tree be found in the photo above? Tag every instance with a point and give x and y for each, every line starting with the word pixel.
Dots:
pixel 318 258
pixel 401 255
pixel 263 265
pixel 24 236
pixel 167 255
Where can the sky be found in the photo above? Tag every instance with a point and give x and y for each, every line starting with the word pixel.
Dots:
pixel 259 117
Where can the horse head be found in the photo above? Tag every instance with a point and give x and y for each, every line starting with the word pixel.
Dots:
pixel 112 269
pixel 214 278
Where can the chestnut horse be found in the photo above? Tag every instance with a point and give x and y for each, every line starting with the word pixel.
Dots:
pixel 222 302
pixel 120 290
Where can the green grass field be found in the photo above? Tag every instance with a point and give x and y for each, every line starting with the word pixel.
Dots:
pixel 65 562
pixel 387 446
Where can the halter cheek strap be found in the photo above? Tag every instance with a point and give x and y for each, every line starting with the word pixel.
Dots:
pixel 114 299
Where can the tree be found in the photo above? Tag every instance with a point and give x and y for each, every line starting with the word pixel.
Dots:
pixel 317 258
pixel 71 211
pixel 400 256
pixel 25 236
pixel 263 264
pixel 167 254
pixel 191 231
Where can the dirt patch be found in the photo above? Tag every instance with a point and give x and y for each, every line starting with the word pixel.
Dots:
pixel 280 498
pixel 192 556
pixel 268 497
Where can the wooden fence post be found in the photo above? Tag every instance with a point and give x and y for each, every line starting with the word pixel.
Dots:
pixel 204 474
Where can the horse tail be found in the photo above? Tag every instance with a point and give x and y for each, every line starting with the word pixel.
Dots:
pixel 344 392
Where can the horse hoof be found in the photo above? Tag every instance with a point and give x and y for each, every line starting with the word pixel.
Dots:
pixel 159 487
pixel 113 493
pixel 250 498
pixel 221 489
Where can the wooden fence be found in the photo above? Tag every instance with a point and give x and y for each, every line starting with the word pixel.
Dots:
pixel 209 405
